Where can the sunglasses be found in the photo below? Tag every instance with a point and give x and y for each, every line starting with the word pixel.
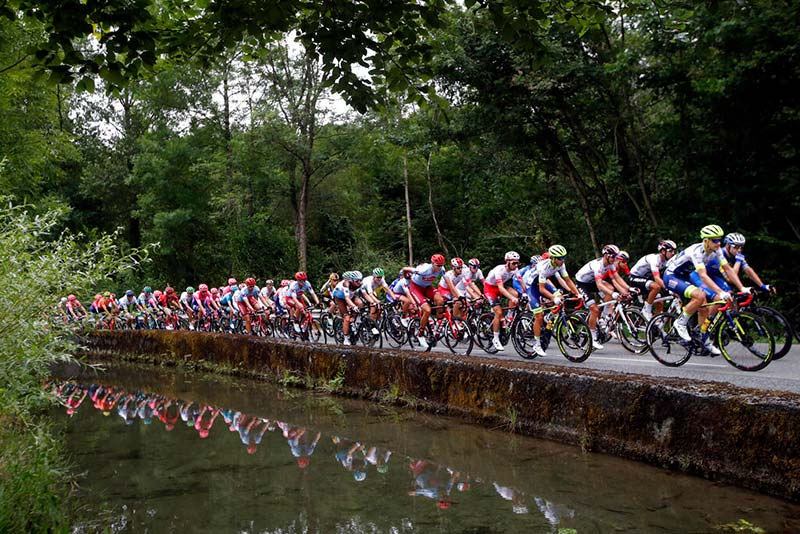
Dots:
pixel 716 241
pixel 513 263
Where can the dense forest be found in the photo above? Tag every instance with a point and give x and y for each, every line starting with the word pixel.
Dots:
pixel 495 128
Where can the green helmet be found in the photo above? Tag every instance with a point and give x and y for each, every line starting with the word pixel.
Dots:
pixel 378 272
pixel 190 289
pixel 557 251
pixel 711 231
pixel 148 289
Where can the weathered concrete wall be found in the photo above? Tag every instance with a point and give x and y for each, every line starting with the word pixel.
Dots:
pixel 740 436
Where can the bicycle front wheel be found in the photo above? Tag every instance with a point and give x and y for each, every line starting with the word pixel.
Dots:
pixel 316 334
pixel 780 328
pixel 457 336
pixel 666 346
pixel 522 336
pixel 746 342
pixel 396 333
pixel 484 333
pixel 632 331
pixel 574 338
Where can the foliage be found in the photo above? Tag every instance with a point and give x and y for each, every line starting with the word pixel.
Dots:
pixel 37 265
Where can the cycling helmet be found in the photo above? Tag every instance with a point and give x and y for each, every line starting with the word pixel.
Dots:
pixel 734 239
pixel 169 290
pixel 113 295
pixel 285 283
pixel 473 262
pixel 203 287
pixel 611 250
pixel 190 289
pixel 72 298
pixel 437 259
pixel 98 296
pixel 214 291
pixel 557 251
pixel 334 277
pixel 623 255
pixel 232 281
pixel 157 293
pixel 106 294
pixel 269 282
pixel 64 300
pixel 457 262
pixel 535 259
pixel 377 272
pixel 300 276
pixel 147 289
pixel 355 276
pixel 512 256
pixel 711 231
pixel 667 244
pixel 545 255
pixel 250 282
pixel 129 293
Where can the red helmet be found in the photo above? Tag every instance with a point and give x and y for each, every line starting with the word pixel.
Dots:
pixel 232 281
pixel 169 290
pixel 300 276
pixel 250 282
pixel 157 293
pixel 473 262
pixel 202 287
pixel 457 262
pixel 72 298
pixel 214 290
pixel 285 283
pixel 437 259
pixel 98 296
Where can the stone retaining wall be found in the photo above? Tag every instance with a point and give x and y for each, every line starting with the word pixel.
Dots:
pixel 741 436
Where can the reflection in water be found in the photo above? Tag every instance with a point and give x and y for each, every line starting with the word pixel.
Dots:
pixel 428 479
pixel 176 464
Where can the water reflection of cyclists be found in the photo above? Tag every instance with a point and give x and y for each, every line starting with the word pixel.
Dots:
pixel 510 494
pixel 301 441
pixel 434 482
pixel 351 455
pixel 251 430
pixel 166 415
pixel 379 458
pixel 203 424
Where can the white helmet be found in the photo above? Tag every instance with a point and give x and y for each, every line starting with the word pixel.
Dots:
pixel 512 256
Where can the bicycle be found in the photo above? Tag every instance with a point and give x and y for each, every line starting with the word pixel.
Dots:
pixel 308 329
pixel 743 338
pixel 779 325
pixel 484 332
pixel 571 331
pixel 625 321
pixel 453 331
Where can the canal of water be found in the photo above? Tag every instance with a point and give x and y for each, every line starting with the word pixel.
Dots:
pixel 165 451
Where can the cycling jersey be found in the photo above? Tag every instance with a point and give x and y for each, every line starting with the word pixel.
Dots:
pixel 343 290
pixel 693 258
pixel 327 289
pixel 426 274
pixel 202 298
pixel 470 277
pixel 651 264
pixel 128 305
pixel 400 286
pixel 548 269
pixel 500 275
pixel 147 300
pixel 243 294
pixel 267 292
pixel 371 286
pixel 714 268
pixel 595 270
pixel 456 280
pixel 296 289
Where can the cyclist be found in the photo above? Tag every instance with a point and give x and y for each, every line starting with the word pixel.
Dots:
pixel 591 280
pixel 186 304
pixel 677 277
pixel 732 249
pixel 547 270
pixel 372 288
pixel 400 287
pixel 646 275
pixel 247 301
pixel 296 298
pixel 146 298
pixel 280 297
pixel 129 304
pixel 498 283
pixel 95 306
pixel 449 286
pixel 473 276
pixel 74 308
pixel 203 303
pixel 345 295
pixel 268 294
pixel 622 260
pixel 423 290
pixel 326 291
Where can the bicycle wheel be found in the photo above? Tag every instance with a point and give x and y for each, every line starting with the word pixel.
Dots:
pixel 457 336
pixel 664 343
pixel 745 341
pixel 338 333
pixel 368 333
pixel 632 331
pixel 780 328
pixel 315 333
pixel 522 336
pixel 396 333
pixel 484 333
pixel 573 337
pixel 326 320
pixel 413 330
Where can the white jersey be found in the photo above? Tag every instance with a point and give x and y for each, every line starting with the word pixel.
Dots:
pixel 546 269
pixel 469 278
pixel 369 285
pixel 454 279
pixel 650 264
pixel 693 258
pixel 595 270
pixel 268 292
pixel 500 275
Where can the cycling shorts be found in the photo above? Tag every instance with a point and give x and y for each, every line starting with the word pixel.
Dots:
pixel 641 282
pixel 679 286
pixel 535 296
pixel 589 289
pixel 422 293
pixel 710 293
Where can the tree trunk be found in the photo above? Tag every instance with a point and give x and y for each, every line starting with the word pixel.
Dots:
pixel 408 210
pixel 439 236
